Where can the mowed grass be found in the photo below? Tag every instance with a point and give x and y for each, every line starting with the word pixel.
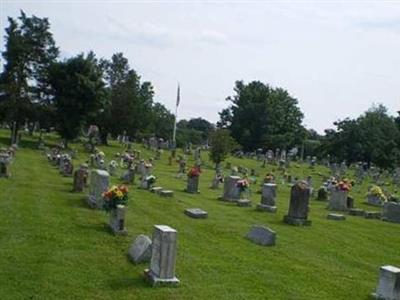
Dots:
pixel 52 246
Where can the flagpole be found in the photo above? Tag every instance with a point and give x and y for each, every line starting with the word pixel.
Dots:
pixel 176 117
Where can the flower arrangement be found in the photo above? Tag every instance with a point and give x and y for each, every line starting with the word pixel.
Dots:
pixel 344 185
pixel 220 178
pixel 151 179
pixel 377 192
pixel 194 172
pixel 116 195
pixel 243 185
pixel 269 178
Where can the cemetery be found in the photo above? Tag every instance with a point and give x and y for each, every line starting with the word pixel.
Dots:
pixel 59 240
pixel 114 187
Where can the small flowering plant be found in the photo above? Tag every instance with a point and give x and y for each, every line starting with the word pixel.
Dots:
pixel 116 195
pixel 194 172
pixel 243 185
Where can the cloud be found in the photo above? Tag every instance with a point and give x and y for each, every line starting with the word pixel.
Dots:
pixel 392 25
pixel 213 37
pixel 141 34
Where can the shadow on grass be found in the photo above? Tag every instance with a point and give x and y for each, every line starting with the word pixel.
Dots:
pixel 23 144
pixel 102 227
pixel 128 283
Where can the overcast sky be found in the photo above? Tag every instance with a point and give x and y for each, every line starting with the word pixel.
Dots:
pixel 336 57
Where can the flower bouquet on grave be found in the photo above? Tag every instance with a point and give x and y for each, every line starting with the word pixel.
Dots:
pixel 151 179
pixel 243 186
pixel 344 185
pixel 194 172
pixel 376 191
pixel 116 195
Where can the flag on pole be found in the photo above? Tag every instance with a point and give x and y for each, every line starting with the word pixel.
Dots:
pixel 178 96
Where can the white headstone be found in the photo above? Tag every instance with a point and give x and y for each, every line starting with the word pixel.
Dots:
pixel 99 180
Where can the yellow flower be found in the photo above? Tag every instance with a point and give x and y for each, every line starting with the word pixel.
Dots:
pixel 119 194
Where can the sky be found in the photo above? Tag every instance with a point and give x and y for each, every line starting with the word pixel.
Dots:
pixel 338 58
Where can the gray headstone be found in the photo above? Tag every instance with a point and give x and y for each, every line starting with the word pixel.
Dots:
pixel 374 200
pixel 298 206
pixel 231 191
pixel 117 220
pixel 162 265
pixel 196 213
pixel 140 250
pixel 262 235
pixel 193 185
pixel 156 189
pixel 167 193
pixel 372 214
pixel 336 217
pixel 243 203
pixel 388 284
pixel 268 194
pixel 98 185
pixel 338 200
pixel 391 212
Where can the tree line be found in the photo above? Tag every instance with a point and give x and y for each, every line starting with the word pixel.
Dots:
pixel 71 94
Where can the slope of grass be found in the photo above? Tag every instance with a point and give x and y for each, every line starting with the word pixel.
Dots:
pixel 54 247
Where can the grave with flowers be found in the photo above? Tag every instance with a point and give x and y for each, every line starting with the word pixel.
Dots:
pixel 193 177
pixel 115 201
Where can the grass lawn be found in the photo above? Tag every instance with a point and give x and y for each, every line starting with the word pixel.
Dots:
pixel 54 247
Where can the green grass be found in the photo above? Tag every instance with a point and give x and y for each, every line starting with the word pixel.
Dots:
pixel 54 247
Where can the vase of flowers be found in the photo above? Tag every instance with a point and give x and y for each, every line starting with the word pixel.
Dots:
pixel 115 200
pixel 116 195
pixel 243 186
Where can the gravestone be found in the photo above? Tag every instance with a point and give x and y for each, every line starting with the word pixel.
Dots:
pixel 372 214
pixel 268 197
pixel 243 203
pixel 374 200
pixel 231 191
pixel 140 250
pixel 196 213
pixel 338 200
pixel 388 284
pixel 117 220
pixel 391 212
pixel 5 160
pixel 192 185
pixel 166 193
pixel 298 206
pixel 163 257
pixel 129 175
pixel 262 235
pixel 156 189
pixel 336 217
pixel 99 180
pixel 80 178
